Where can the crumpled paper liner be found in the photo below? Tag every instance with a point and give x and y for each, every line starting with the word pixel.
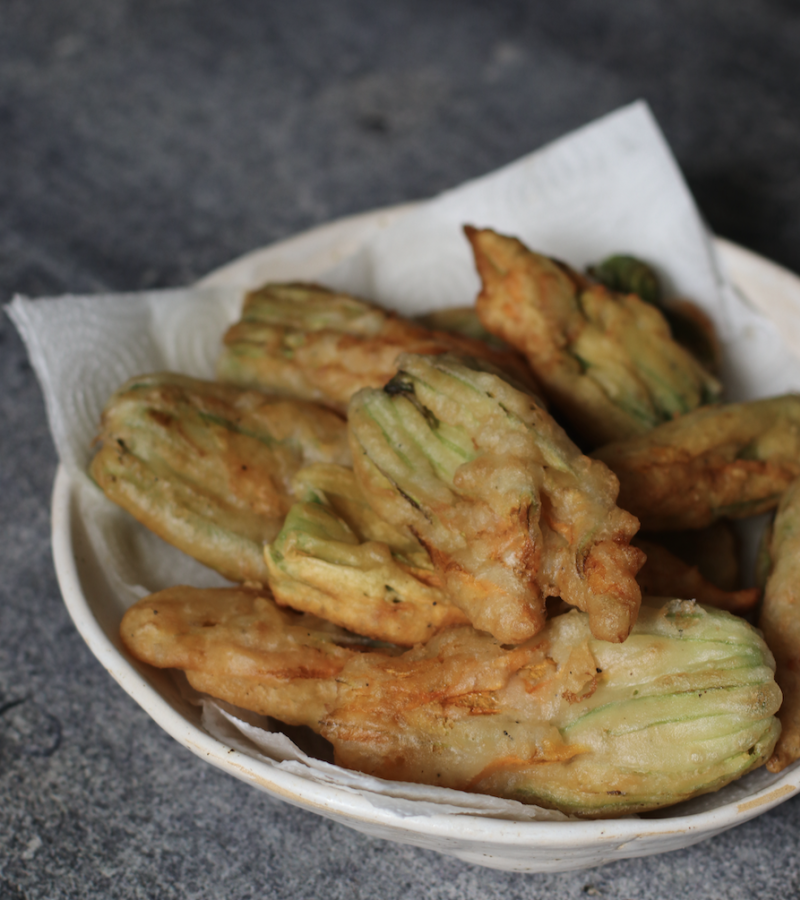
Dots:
pixel 259 737
pixel 612 186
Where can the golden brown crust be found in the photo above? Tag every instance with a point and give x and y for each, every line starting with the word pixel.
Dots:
pixel 780 623
pixel 730 460
pixel 509 509
pixel 329 358
pixel 336 558
pixel 355 584
pixel 239 646
pixel 607 361
pixel 208 467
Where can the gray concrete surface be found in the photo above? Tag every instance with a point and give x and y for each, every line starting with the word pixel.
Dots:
pixel 144 143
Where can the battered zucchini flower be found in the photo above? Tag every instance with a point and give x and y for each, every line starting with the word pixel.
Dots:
pixel 303 340
pixel 731 460
pixel 628 275
pixel 337 487
pixel 607 361
pixel 237 645
pixel 509 509
pixel 353 569
pixel 689 325
pixel 208 467
pixel 683 707
pixel 780 622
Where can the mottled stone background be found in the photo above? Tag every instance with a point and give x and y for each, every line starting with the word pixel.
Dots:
pixel 144 143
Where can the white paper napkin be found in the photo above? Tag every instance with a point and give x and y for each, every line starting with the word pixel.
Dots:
pixel 612 186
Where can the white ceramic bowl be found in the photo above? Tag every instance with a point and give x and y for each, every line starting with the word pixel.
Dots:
pixel 495 842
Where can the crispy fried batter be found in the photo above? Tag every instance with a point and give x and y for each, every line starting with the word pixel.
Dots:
pixel 780 622
pixel 509 509
pixel 607 361
pixel 353 569
pixel 263 658
pixel 208 467
pixel 339 488
pixel 689 325
pixel 303 340
pixel 681 708
pixel 666 575
pixel 731 460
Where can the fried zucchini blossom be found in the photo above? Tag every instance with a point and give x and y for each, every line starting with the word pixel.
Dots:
pixel 731 460
pixel 238 645
pixel 780 622
pixel 565 721
pixel 606 360
pixel 628 275
pixel 335 558
pixel 303 340
pixel 509 509
pixel 208 467
pixel 689 325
